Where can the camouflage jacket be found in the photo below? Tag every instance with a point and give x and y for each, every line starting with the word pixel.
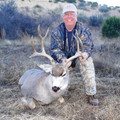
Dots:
pixel 59 41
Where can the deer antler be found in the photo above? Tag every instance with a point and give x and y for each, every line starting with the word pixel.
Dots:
pixel 79 41
pixel 78 53
pixel 43 53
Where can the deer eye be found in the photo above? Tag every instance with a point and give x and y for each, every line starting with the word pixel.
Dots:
pixel 63 74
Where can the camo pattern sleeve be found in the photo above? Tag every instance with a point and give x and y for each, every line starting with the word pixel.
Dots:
pixel 87 42
pixel 57 44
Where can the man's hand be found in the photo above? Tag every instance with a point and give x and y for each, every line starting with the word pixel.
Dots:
pixel 84 57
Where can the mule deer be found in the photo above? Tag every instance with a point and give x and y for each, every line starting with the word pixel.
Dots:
pixel 48 84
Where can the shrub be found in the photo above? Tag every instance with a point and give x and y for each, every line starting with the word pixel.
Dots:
pixel 119 10
pixel 82 6
pixel 50 0
pixel 38 6
pixel 17 24
pixel 57 1
pixel 82 18
pixel 62 0
pixel 106 15
pixel 111 27
pixel 88 3
pixel 8 8
pixel 82 1
pixel 104 8
pixel 7 11
pixel 94 4
pixel 71 1
pixel 25 24
pixel 95 20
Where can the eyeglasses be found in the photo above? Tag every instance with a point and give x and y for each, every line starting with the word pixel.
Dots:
pixel 69 15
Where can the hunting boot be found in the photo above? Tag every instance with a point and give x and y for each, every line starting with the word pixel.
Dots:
pixel 92 100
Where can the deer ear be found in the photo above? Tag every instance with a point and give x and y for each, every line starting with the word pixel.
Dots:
pixel 45 67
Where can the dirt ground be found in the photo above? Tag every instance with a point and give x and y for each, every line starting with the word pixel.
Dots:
pixel 75 106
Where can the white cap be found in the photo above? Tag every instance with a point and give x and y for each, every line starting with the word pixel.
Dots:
pixel 69 7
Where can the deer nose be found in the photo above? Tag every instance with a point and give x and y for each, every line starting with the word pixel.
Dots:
pixel 55 89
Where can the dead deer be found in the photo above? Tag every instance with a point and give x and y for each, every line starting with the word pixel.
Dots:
pixel 48 84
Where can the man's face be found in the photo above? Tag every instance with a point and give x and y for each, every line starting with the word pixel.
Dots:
pixel 70 18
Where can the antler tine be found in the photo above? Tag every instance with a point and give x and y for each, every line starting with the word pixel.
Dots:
pixel 39 33
pixel 33 49
pixel 41 39
pixel 43 53
pixel 32 42
pixel 46 33
pixel 81 44
pixel 78 48
pixel 80 41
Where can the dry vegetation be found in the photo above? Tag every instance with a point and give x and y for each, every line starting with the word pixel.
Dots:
pixel 14 62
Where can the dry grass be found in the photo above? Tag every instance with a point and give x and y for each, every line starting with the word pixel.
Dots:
pixel 15 62
pixel 74 108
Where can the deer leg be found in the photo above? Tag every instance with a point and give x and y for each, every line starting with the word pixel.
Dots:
pixel 29 102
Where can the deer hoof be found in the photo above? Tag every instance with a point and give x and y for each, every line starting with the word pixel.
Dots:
pixel 31 104
pixel 61 100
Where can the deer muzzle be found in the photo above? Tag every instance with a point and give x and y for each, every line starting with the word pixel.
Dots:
pixel 55 89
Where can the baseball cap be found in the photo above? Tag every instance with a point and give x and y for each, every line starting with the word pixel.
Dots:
pixel 69 7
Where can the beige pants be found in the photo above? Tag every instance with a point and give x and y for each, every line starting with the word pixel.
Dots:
pixel 88 75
